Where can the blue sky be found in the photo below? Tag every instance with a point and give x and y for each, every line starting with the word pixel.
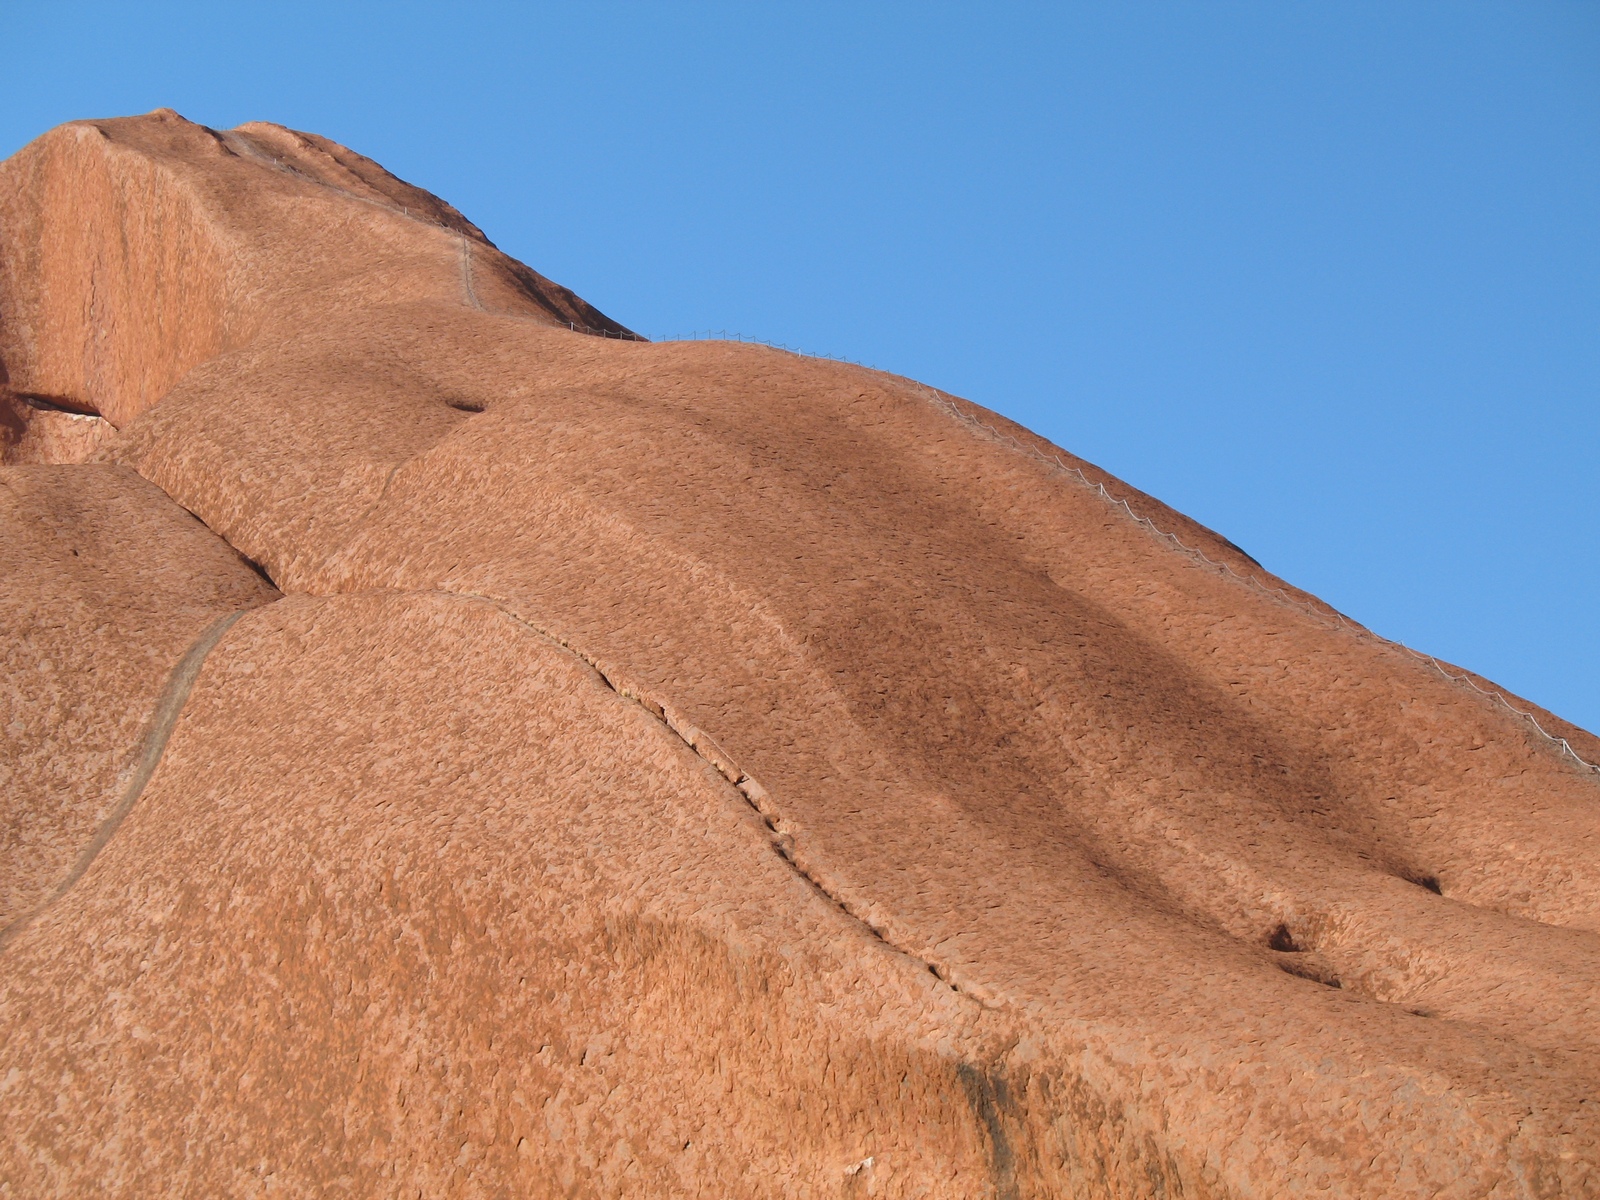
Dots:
pixel 1326 277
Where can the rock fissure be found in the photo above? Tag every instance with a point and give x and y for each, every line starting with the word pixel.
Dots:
pixel 67 405
pixel 755 797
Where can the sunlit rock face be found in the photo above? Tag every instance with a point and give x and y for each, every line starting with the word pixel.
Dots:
pixel 450 753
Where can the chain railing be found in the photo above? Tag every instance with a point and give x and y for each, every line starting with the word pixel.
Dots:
pixel 621 335
pixel 948 404
pixel 1277 593
pixel 723 335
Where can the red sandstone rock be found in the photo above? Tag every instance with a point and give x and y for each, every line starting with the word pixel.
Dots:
pixel 696 769
pixel 35 430
pixel 106 585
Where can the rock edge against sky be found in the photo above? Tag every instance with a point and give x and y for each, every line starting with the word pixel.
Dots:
pixel 451 753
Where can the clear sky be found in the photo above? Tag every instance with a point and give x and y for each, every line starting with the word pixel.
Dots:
pixel 1324 276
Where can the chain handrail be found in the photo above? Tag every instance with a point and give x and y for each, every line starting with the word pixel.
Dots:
pixel 948 404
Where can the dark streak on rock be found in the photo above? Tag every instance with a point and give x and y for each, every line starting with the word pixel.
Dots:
pixel 988 1097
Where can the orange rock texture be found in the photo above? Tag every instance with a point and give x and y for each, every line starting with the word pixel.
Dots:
pixel 563 765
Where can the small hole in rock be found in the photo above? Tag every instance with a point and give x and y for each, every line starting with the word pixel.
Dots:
pixel 1431 882
pixel 1283 941
pixel 466 406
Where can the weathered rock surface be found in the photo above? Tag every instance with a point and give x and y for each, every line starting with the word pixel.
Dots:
pixel 695 769
pixel 106 585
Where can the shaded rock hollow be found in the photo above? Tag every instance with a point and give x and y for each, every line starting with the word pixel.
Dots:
pixel 557 764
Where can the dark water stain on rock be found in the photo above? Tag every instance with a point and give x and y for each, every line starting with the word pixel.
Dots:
pixel 988 1097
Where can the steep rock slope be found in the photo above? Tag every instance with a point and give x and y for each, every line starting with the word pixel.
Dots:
pixel 107 584
pixel 692 768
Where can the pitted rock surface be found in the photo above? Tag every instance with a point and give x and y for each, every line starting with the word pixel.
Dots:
pixel 695 769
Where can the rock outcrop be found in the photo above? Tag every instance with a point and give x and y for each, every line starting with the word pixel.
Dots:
pixel 694 769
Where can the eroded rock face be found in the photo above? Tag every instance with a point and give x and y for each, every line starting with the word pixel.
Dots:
pixel 696 769
pixel 36 430
pixel 106 585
